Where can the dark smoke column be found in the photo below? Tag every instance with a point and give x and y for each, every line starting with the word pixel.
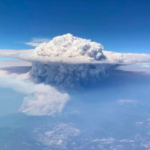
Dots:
pixel 69 74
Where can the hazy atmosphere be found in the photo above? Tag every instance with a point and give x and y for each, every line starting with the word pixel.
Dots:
pixel 74 75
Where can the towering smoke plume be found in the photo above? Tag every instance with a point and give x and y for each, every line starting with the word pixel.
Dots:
pixel 69 75
pixel 68 61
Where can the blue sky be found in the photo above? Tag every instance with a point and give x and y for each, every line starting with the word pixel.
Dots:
pixel 120 25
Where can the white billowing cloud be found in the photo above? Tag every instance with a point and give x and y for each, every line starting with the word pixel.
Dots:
pixel 127 101
pixel 37 41
pixel 70 46
pixel 62 49
pixel 40 100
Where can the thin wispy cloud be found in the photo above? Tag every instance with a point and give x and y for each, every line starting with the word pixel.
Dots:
pixel 37 41
pixel 127 101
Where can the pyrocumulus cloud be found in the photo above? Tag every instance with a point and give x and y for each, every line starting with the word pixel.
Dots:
pixel 71 62
pixel 69 75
